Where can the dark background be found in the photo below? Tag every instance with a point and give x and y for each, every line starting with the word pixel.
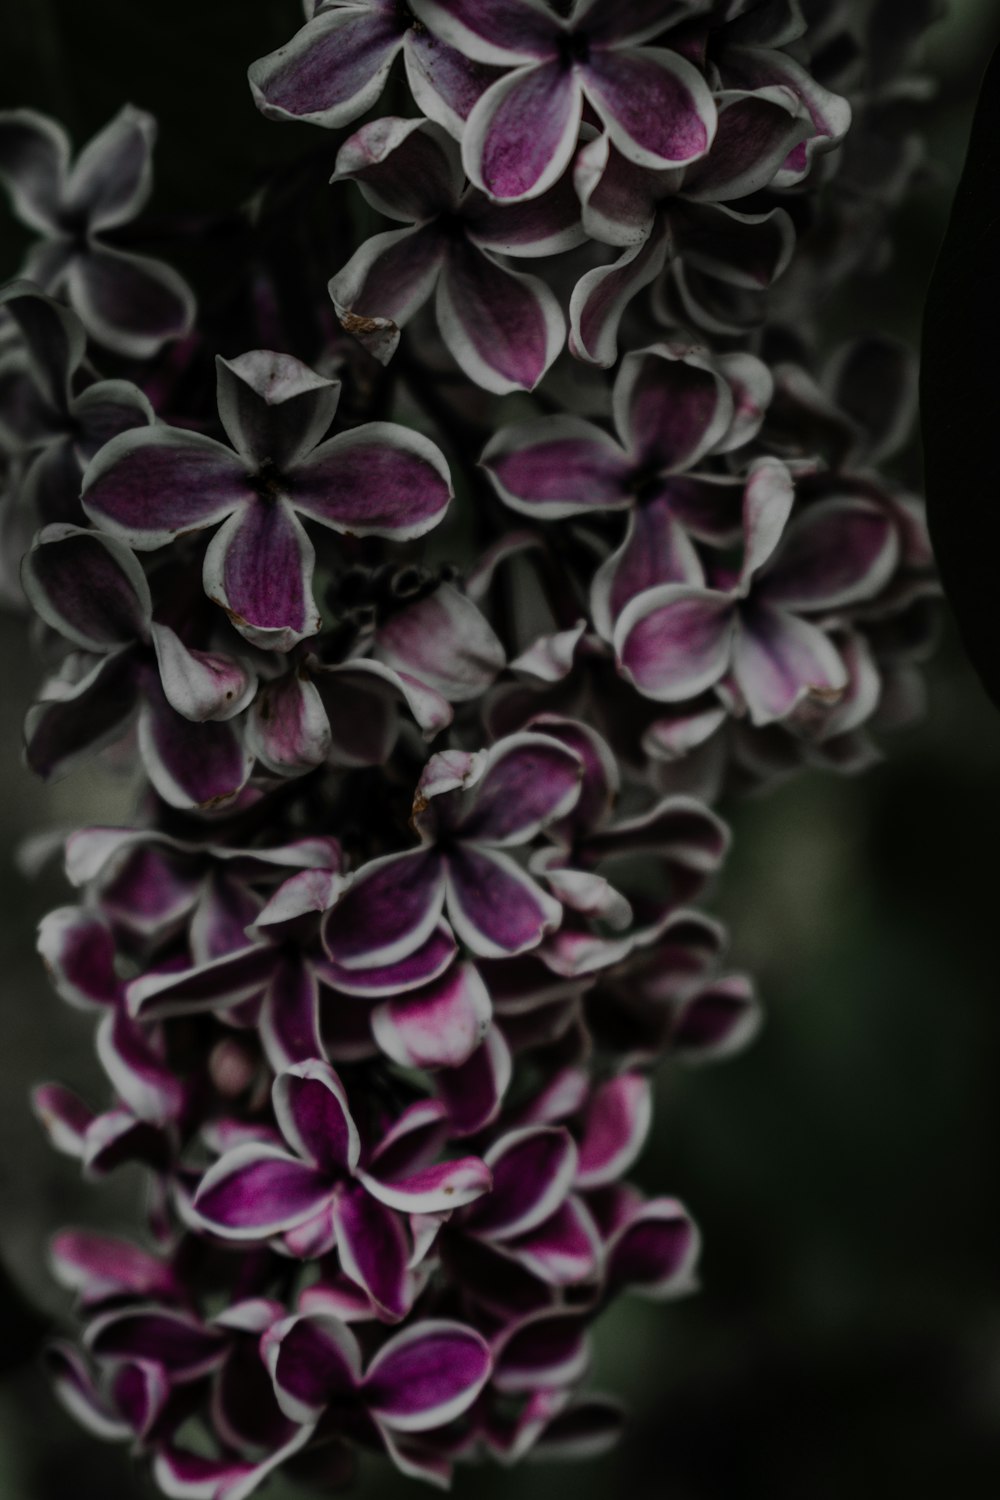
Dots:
pixel 847 1340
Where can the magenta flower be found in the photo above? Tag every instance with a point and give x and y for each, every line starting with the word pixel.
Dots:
pixel 421 1379
pixel 503 329
pixel 91 589
pixel 520 136
pixel 469 810
pixel 376 480
pixel 72 416
pixel 318 1194
pixel 336 66
pixel 129 303
pixel 675 640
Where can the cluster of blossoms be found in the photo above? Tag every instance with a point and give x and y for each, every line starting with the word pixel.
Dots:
pixel 430 712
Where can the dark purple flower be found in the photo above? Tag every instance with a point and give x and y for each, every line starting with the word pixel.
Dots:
pixel 377 480
pixel 336 66
pixel 90 588
pixel 521 135
pixel 469 810
pixel 73 415
pixel 319 1194
pixel 675 640
pixel 503 328
pixel 129 303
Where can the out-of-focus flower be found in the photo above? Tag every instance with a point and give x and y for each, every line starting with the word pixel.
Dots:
pixel 130 303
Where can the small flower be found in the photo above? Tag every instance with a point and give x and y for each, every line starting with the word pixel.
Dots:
pixel 503 329
pixel 520 137
pixel 320 1190
pixel 377 480
pixel 129 303
pixel 336 66
pixel 469 810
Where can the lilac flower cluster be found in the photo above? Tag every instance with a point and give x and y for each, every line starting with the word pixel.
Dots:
pixel 433 653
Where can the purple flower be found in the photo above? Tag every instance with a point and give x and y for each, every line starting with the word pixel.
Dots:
pixel 73 416
pixel 336 66
pixel 91 589
pixel 675 640
pixel 376 480
pixel 421 1379
pixel 469 810
pixel 129 303
pixel 521 135
pixel 503 329
pixel 319 1194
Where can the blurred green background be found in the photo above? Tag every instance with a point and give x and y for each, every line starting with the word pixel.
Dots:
pixel 847 1340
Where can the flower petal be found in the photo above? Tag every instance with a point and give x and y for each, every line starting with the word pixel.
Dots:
pixel 496 909
pixel 503 328
pixel 526 782
pixel 718 1019
pixel 131 304
pixel 407 169
pixel 671 407
pixel 54 339
pixel 474 1092
pixel 287 729
pixel 758 129
pixel 78 952
pixel 149 485
pixel 533 1170
pixel 313 1359
pixel 520 136
pixel 427 1376
pixel 190 1476
pixel 655 1252
pixel 201 685
pixel 657 550
pixel 439 1026
pixel 779 660
pixel 445 641
pixel 175 1340
pixel 81 719
pixel 674 641
pixel 492 31
pixel 88 587
pixel 221 982
pixel 563 1251
pixel 558 466
pixel 602 296
pixel 190 765
pixel 544 1351
pixel 289 1017
pixel 259 569
pixel 432 1190
pixel 332 70
pixel 445 84
pixel 377 480
pixel 312 1110
pixel 274 408
pixel 255 1191
pixel 386 281
pixel 426 964
pixel 34 156
pixel 837 552
pixel 373 1249
pixel 112 177
pixel 388 912
pixel 656 107
pixel 615 1127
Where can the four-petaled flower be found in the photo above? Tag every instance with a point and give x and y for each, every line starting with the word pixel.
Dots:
pixel 377 480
